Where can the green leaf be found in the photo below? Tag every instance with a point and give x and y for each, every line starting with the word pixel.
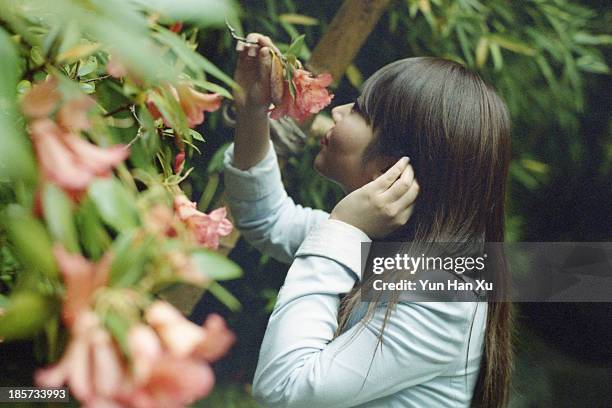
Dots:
pixel 215 266
pixel 211 87
pixel 118 26
pixel 16 159
pixel 30 239
pixel 298 19
pixel 172 116
pixel 590 63
pixel 176 117
pixel 535 166
pixel 89 66
pixel 212 69
pixel 482 52
pixel 58 215
pixel 203 13
pixel 589 39
pixel 496 56
pixel 523 176
pixel 25 315
pixel 548 73
pixel 296 46
pixel 94 237
pixel 225 297
pixel 465 46
pixel 132 251
pixel 512 45
pixel 216 162
pixel 180 48
pixel 115 204
pixel 354 75
pixel 196 135
pixel 270 295
pixel 119 328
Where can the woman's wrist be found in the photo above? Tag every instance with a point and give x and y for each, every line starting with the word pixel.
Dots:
pixel 252 111
pixel 252 136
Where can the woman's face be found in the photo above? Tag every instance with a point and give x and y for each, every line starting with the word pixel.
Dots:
pixel 342 148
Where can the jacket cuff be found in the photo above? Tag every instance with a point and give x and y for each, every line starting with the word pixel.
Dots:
pixel 255 183
pixel 338 241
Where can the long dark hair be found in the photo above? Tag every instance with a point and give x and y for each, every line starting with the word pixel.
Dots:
pixel 456 131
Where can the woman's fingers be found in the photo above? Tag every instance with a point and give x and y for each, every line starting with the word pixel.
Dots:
pixel 261 41
pixel 266 41
pixel 277 83
pixel 386 180
pixel 400 186
pixel 265 64
pixel 405 215
pixel 408 198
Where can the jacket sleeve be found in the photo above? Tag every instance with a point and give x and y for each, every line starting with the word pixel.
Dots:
pixel 264 213
pixel 301 366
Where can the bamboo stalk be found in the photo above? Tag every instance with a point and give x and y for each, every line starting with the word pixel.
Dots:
pixel 347 32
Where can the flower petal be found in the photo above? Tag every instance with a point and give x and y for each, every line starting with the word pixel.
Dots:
pixel 57 163
pixel 179 335
pixel 98 160
pixel 219 339
pixel 73 115
pixel 40 101
pixel 107 368
pixel 194 103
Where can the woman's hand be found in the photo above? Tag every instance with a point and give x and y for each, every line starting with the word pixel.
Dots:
pixel 383 205
pixel 253 73
pixel 252 100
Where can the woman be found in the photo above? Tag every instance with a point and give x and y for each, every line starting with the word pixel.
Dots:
pixel 319 350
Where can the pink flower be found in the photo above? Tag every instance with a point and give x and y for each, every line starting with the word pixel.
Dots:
pixel 68 161
pixel 184 338
pixel 81 279
pixel 41 100
pixel 152 107
pixel 176 27
pixel 145 348
pixel 179 335
pixel 219 339
pixel 311 96
pixel 185 269
pixel 91 365
pixel 160 221
pixel 206 228
pixel 172 383
pixel 161 379
pixel 193 103
pixel 73 114
pixel 179 162
pixel 185 208
pixel 176 382
pixel 115 68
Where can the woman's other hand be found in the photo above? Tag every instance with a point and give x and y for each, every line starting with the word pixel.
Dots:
pixel 383 205
pixel 253 73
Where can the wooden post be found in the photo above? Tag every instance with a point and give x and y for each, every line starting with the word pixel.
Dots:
pixel 347 32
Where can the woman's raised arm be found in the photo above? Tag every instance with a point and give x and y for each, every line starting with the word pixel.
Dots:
pixel 252 101
pixel 264 213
